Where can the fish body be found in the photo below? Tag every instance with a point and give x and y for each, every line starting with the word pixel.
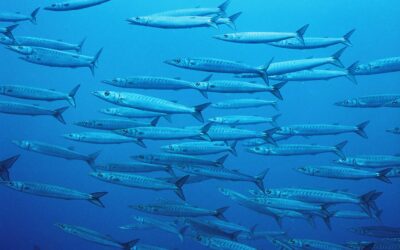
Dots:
pixel 53 191
pixel 349 214
pixel 33 93
pixel 18 17
pixel 178 159
pixel 243 103
pixel 221 243
pixel 31 41
pixel 288 204
pixel 313 75
pixel 149 82
pixel 395 130
pixel 99 138
pixel 149 103
pixel 199 11
pixel 316 244
pixel 297 149
pixel 74 5
pixel 132 113
pixel 199 148
pixel 385 65
pixel 56 151
pixel 114 124
pixel 235 120
pixel 378 231
pixel 16 108
pixel 133 167
pixel 93 236
pixel 371 161
pixel 373 101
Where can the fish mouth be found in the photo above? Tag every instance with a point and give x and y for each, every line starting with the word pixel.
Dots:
pixel 338 104
pixel 96 93
pixel 106 81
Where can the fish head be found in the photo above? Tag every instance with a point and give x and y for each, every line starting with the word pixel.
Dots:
pixel 72 136
pixel 64 227
pixel 115 82
pixel 142 207
pixel 180 62
pixel 108 111
pixel 272 192
pixel 204 240
pixel 13 184
pixel 347 103
pixel 227 37
pixel 170 148
pixel 259 150
pixel 393 130
pixel 216 119
pixel 126 132
pixel 86 124
pixel 296 243
pixel 139 219
pixel 106 95
pixel 201 85
pixel 140 20
pixel 101 175
pixel 5 40
pixel 305 170
pixel 24 50
pixel 346 161
pixel 22 144
pixel 394 103
pixel 143 158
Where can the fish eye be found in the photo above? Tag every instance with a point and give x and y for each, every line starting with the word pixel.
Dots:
pixel 141 156
pixel 257 148
pixel 178 60
pixel 137 18
pixel 269 192
pixel 107 93
pixel 197 83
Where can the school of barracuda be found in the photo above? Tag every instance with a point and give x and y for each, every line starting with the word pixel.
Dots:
pixel 185 162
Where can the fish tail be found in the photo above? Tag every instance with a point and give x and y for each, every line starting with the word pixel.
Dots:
pixel 268 135
pixel 9 30
pixel 360 129
pixel 93 64
pixel 179 184
pixel 367 201
pixel 259 179
pixel 198 109
pixel 58 114
pixel 273 120
pixel 300 33
pixel 155 121
pixel 170 170
pixel 275 106
pixel 232 148
pixel 220 161
pixel 71 95
pixel 204 132
pixel 223 6
pixel 220 213
pixel 182 231
pixel 92 158
pixel 350 72
pixel 231 20
pixel 336 58
pixel 33 15
pixel 95 199
pixel 339 149
pixel 129 245
pixel 5 166
pixel 79 48
pixel 382 175
pixel 263 71
pixel 276 89
pixel 346 37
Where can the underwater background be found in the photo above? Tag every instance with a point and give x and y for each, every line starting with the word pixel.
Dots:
pixel 130 50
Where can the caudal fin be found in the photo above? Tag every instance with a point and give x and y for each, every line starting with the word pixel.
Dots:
pixel 179 184
pixel 95 60
pixel 198 109
pixel 263 71
pixel 9 29
pixel 33 15
pixel 360 129
pixel 339 149
pixel 232 148
pixel 5 166
pixel 219 213
pixel 274 118
pixel 220 161
pixel 300 33
pixel 80 45
pixel 259 179
pixel 367 201
pixel 71 95
pixel 223 6
pixel 130 244
pixel 382 175
pixel 95 198
pixel 204 132
pixel 350 72
pixel 336 58
pixel 232 19
pixel 91 160
pixel 57 113
pixel 276 89
pixel 182 231
pixel 346 38
pixel 155 121
pixel 268 135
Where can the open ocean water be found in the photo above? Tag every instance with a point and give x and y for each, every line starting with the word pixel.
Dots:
pixel 129 50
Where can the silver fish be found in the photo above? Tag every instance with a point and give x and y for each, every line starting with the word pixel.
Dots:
pixel 134 167
pixel 5 166
pixel 373 101
pixel 200 148
pixel 114 124
pixel 235 120
pixel 178 159
pixel 199 11
pixel 74 5
pixel 41 42
pixel 18 17
pixel 244 103
pixel 101 138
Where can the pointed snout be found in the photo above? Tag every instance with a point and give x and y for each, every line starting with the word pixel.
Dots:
pixel 338 103
pixel 106 81
pixel 16 142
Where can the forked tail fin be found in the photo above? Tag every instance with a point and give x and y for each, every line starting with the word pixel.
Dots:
pixel 346 38
pixel 231 20
pixel 259 179
pixel 95 199
pixel 57 113
pixel 93 63
pixel 71 95
pixel 360 129
pixel 33 15
pixel 179 184
pixel 5 166
pixel 300 33
pixel 198 109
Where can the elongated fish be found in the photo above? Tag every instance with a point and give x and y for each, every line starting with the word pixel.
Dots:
pixel 235 120
pixel 74 5
pixel 114 124
pixel 191 180
pixel 133 113
pixel 314 42
pixel 221 243
pixel 378 231
pixel 339 172
pixel 199 226
pixel 178 159
pixel 16 108
pixel 219 66
pixel 244 103
pixel 322 129
pixel 395 130
pixel 41 42
pixel 198 11
pixel 371 161
pixel 56 58
pixel 315 75
pixel 57 192
pixel 262 37
pixel 384 65
pixel 230 86
pixel 56 151
pixel 372 101
pixel 351 214
pixel 149 103
pixel 183 22
pixel 163 133
pixel 298 149
pixel 317 244
pixel 179 209
pixel 5 166
pixel 32 93
pixel 18 17
pixel 148 247
pixel 101 138
pixel 140 181
pixel 149 82
pixel 290 66
pixel 288 204
pixel 148 222
pixel 200 148
pixel 7 31
pixel 93 236
pixel 225 174
pixel 134 167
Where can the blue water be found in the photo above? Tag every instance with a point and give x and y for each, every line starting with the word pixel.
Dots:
pixel 133 50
